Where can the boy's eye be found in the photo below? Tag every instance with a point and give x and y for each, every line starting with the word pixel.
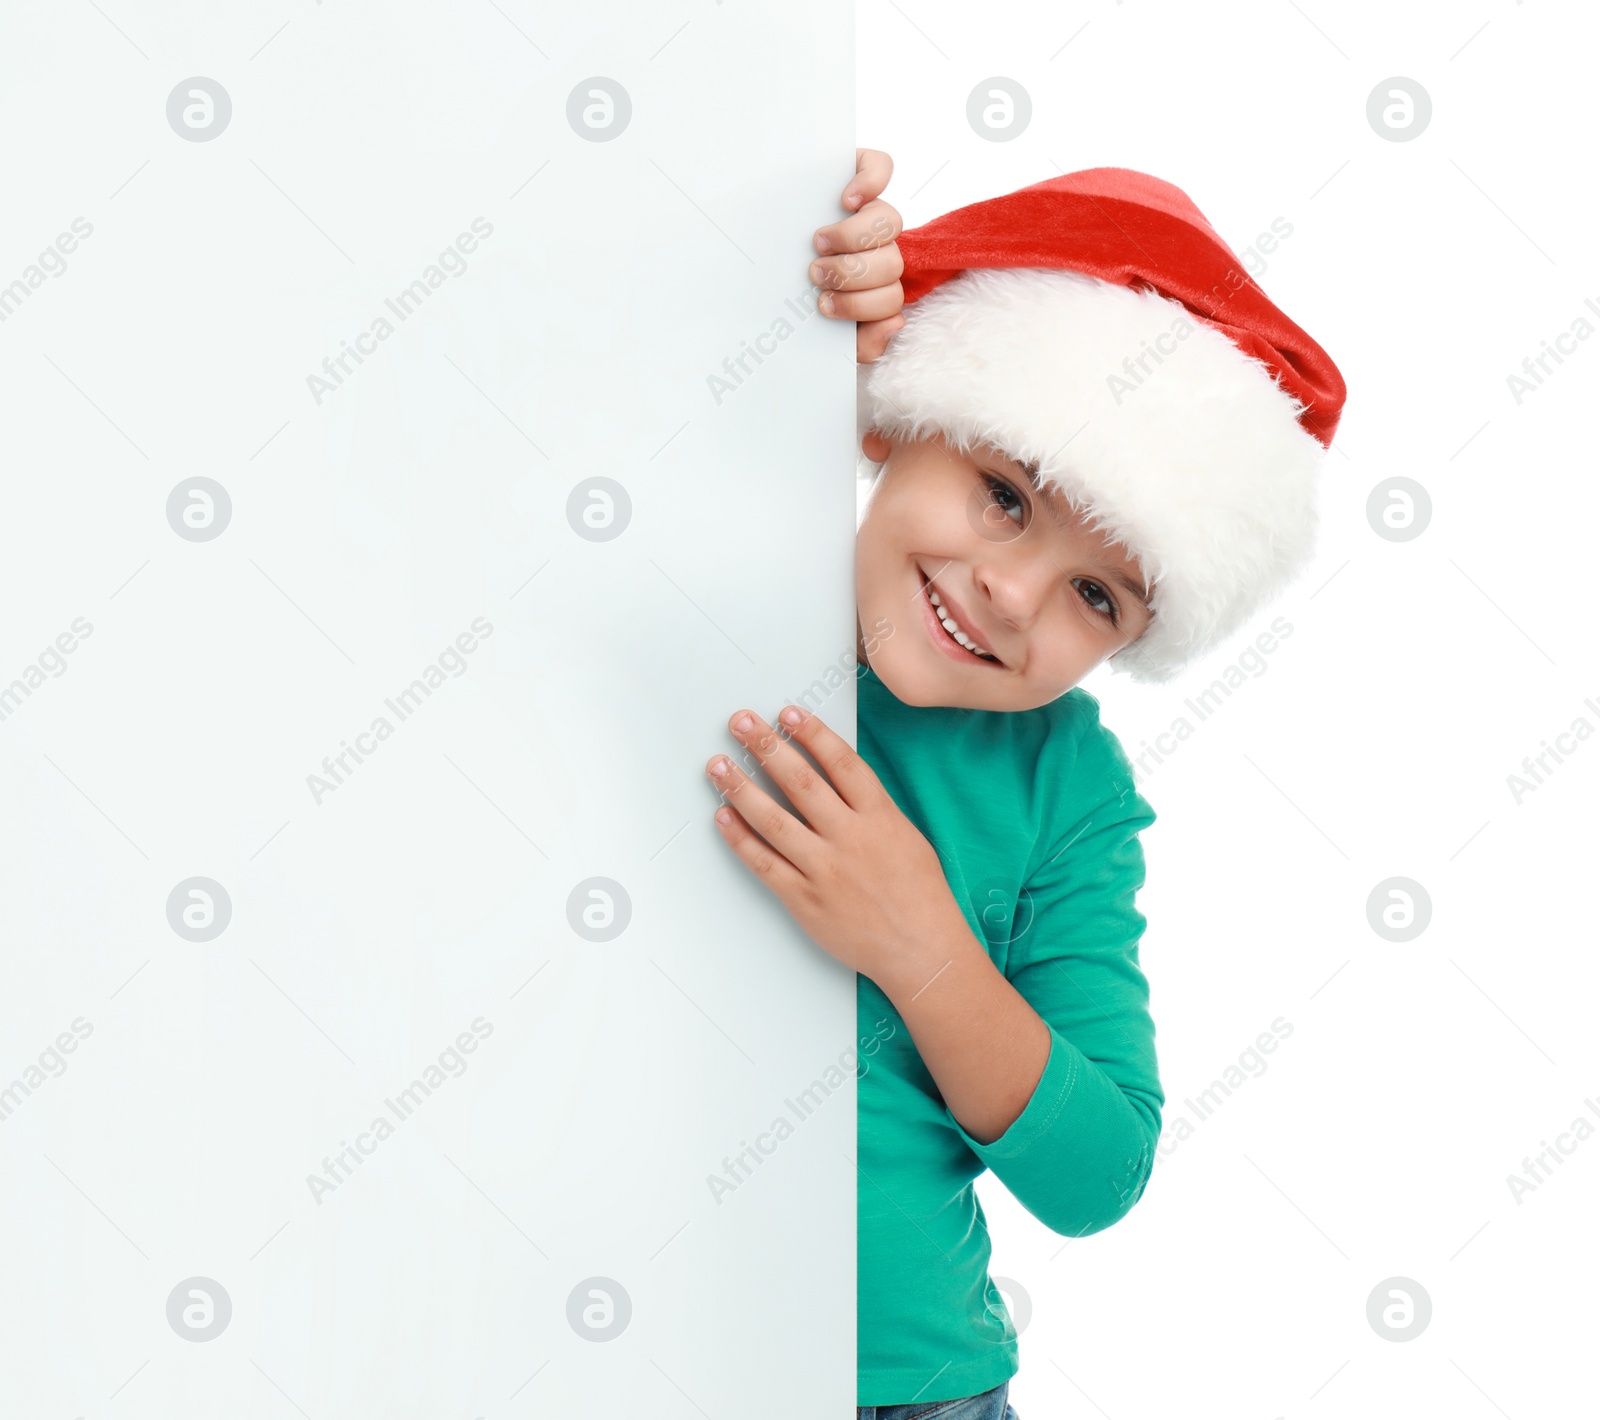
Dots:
pixel 1003 496
pixel 1097 597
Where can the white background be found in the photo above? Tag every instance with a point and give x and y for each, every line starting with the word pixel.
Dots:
pixel 372 924
pixel 1374 742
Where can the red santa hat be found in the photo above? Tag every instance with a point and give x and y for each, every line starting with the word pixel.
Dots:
pixel 1096 324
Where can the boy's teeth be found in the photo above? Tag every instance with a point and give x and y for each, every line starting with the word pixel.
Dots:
pixel 955 631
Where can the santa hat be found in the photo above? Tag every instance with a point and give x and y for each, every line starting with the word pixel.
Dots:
pixel 1095 323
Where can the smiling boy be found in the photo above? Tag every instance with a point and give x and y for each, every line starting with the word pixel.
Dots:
pixel 1034 512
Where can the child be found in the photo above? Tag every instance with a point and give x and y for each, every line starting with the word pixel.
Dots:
pixel 1092 435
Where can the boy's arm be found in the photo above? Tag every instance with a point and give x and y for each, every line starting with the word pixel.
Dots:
pixel 1051 1076
pixel 858 260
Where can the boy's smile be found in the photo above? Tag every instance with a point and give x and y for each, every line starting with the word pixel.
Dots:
pixel 1030 597
pixel 951 629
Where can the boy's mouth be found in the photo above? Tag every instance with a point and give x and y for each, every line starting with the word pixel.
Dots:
pixel 944 629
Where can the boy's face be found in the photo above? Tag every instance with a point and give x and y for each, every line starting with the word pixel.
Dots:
pixel 1021 573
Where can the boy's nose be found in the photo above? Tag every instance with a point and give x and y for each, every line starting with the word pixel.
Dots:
pixel 1011 589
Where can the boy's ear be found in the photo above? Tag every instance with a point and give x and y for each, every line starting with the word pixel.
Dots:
pixel 875 446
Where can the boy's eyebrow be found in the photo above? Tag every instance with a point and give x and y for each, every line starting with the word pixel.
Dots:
pixel 1132 586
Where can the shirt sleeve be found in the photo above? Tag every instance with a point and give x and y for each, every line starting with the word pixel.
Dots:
pixel 1080 1153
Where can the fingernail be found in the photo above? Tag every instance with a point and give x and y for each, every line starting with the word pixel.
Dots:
pixel 744 722
pixel 819 275
pixel 824 246
pixel 825 303
pixel 792 716
pixel 720 767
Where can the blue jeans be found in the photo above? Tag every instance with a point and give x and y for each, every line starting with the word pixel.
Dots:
pixel 990 1405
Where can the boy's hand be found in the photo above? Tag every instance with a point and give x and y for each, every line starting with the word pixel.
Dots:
pixel 857 875
pixel 860 263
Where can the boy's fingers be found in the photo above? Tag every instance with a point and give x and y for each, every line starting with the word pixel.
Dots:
pixel 873 169
pixel 873 337
pixel 776 871
pixel 807 790
pixel 875 225
pixel 851 776
pixel 859 270
pixel 877 304
pixel 795 841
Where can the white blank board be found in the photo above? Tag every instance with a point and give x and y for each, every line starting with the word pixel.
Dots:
pixel 396 510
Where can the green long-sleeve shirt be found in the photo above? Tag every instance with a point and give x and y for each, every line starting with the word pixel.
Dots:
pixel 1035 819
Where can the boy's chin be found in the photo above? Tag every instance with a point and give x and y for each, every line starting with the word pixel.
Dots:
pixel 930 685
